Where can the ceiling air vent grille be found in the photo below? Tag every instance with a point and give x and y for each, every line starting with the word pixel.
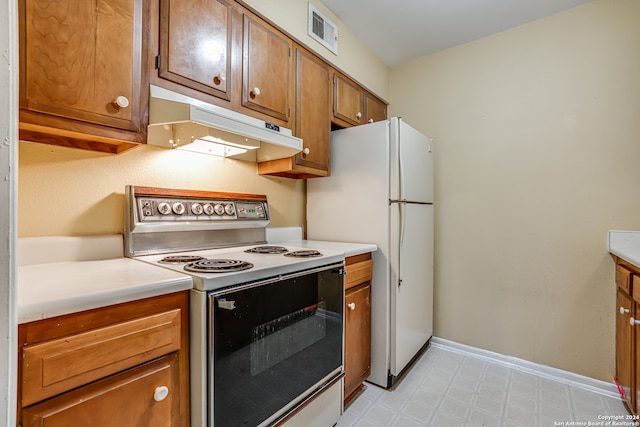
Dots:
pixel 323 30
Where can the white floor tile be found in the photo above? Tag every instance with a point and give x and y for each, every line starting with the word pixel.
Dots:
pixel 445 388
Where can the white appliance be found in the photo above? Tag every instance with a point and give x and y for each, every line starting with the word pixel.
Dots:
pixel 266 322
pixel 381 191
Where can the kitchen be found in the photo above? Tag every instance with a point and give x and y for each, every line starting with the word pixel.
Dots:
pixel 522 222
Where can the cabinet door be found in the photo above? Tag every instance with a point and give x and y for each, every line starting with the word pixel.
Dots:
pixel 357 352
pixel 313 106
pixel 82 60
pixel 195 44
pixel 624 344
pixel 142 396
pixel 375 110
pixel 267 70
pixel 348 101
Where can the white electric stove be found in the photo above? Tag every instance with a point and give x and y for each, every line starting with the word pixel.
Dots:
pixel 267 321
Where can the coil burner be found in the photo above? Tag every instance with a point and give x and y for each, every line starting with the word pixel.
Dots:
pixel 180 259
pixel 267 250
pixel 310 253
pixel 217 266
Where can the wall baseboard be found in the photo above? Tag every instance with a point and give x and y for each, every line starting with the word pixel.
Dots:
pixel 565 377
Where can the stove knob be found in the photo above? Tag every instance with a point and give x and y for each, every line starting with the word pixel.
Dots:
pixel 196 208
pixel 219 209
pixel 208 209
pixel 178 208
pixel 164 208
pixel 229 209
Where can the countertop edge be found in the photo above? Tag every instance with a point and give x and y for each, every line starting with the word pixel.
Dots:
pixel 625 245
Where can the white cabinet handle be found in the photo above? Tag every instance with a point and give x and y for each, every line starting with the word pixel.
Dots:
pixel 623 310
pixel 352 306
pixel 633 321
pixel 121 102
pixel 358 114
pixel 370 121
pixel 256 91
pixel 306 151
pixel 160 393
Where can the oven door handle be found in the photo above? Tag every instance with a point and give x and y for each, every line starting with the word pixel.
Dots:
pixel 227 305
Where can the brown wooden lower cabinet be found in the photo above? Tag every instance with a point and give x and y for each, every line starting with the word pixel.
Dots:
pixel 357 351
pixel 628 333
pixel 122 365
pixel 141 396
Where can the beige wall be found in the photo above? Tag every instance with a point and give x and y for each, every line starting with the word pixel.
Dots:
pixel 354 58
pixel 69 192
pixel 537 136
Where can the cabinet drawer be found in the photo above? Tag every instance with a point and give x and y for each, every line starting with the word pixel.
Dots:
pixel 58 365
pixel 623 278
pixel 359 270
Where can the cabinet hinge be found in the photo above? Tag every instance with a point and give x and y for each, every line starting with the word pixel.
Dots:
pixel 158 62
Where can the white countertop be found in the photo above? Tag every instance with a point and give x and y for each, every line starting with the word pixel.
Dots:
pixel 47 290
pixel 626 245
pixel 55 276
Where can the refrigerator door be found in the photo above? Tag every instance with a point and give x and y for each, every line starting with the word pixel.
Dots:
pixel 411 162
pixel 411 291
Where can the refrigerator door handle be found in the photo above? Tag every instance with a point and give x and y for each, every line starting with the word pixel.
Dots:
pixel 401 207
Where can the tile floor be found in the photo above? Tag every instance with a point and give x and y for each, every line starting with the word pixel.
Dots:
pixel 446 388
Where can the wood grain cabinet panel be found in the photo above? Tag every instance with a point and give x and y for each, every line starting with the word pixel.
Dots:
pixel 107 366
pixel 375 110
pixel 624 345
pixel 56 366
pixel 147 395
pixel 627 278
pixel 267 69
pixel 357 352
pixel 195 45
pixel 312 121
pixel 357 339
pixel 348 101
pixel 81 72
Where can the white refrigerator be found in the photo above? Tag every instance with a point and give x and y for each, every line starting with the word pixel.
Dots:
pixel 381 191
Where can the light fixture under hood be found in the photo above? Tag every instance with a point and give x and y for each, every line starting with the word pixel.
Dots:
pixel 178 121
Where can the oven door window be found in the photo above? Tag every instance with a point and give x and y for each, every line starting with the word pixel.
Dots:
pixel 274 343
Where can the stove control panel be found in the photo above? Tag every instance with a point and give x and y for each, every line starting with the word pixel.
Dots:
pixel 151 208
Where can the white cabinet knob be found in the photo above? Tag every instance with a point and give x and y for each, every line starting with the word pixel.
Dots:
pixel 358 114
pixel 352 306
pixel 623 310
pixel 121 102
pixel 633 321
pixel 160 393
pixel 306 151
pixel 370 121
pixel 256 91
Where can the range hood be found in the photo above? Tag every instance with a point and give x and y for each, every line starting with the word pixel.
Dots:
pixel 181 122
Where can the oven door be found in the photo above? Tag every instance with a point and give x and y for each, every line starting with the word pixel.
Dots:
pixel 273 343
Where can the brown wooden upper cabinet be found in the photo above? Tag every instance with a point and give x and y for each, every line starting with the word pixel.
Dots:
pixel 374 109
pixel 348 102
pixel 312 121
pixel 267 69
pixel 352 105
pixel 83 80
pixel 195 45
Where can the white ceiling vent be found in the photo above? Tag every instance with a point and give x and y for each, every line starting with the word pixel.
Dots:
pixel 323 30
